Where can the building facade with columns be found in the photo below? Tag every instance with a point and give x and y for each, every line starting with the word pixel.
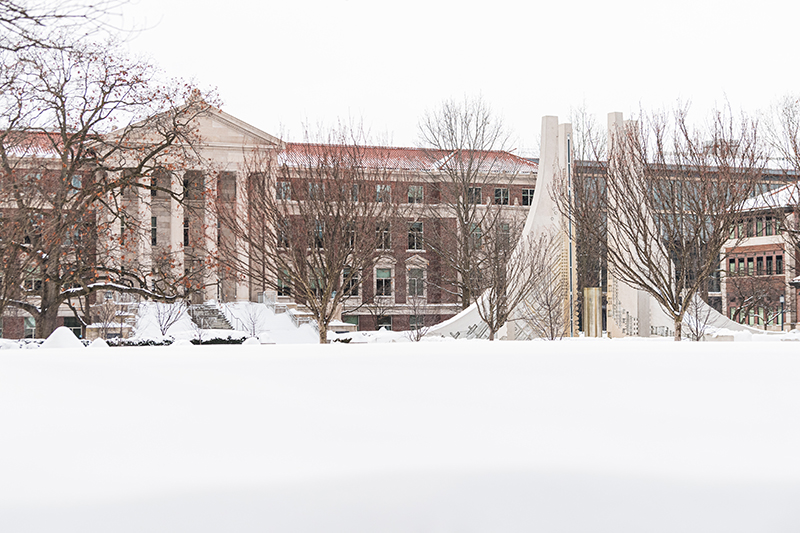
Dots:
pixel 169 232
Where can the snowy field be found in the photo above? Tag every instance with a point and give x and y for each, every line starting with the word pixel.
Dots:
pixel 573 436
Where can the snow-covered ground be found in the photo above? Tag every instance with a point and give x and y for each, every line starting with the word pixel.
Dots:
pixel 465 436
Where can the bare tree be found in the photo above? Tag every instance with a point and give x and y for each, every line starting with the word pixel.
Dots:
pixel 104 316
pixel 754 295
pixel 421 321
pixel 543 303
pixel 314 221
pixel 252 317
pixel 470 171
pixel 168 314
pixel 78 126
pixel 504 273
pixel 668 200
pixel 37 23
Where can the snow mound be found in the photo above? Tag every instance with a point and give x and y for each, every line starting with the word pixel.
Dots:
pixel 251 341
pixel 265 338
pixel 62 337
pixel 182 342
pixel 98 343
pixel 8 345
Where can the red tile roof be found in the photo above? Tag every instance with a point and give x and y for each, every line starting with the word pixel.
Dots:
pixel 412 159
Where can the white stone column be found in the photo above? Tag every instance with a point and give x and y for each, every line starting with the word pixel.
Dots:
pixel 144 248
pixel 242 246
pixel 176 217
pixel 210 230
pixel 109 232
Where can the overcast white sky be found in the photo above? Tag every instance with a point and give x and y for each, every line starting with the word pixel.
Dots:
pixel 279 65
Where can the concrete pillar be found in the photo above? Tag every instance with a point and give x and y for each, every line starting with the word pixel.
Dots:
pixel 569 272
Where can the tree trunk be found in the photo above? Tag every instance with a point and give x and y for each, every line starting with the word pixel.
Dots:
pixel 323 332
pixel 47 320
pixel 465 297
pixel 678 326
pixel 491 334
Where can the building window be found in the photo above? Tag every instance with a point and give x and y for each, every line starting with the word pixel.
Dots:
pixel 501 196
pixel 759 266
pixel 504 236
pixel 383 236
pixel 319 234
pixel 350 319
pixel 416 322
pixel 732 266
pixel 350 282
pixel 186 232
pixel 74 325
pixel 527 196
pixel 750 270
pixel 317 283
pixel 282 233
pixel 383 193
pixel 29 327
pixel 415 194
pixel 474 195
pixel 354 193
pixel 284 286
pixel 415 236
pixel 283 191
pixel 316 191
pixel 475 236
pixel 416 282
pixel 385 322
pixel 768 226
pixel 153 231
pixel 769 266
pixel 778 264
pixel 383 282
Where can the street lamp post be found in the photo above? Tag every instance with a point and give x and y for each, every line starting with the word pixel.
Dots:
pixel 783 317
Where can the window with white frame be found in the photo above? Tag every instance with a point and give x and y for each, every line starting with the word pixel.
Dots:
pixel 350 282
pixel 527 196
pixel 383 193
pixel 416 282
pixel 154 231
pixel 475 236
pixel 474 195
pixel 283 191
pixel 284 285
pixel 501 196
pixel 282 233
pixel 385 322
pixel 383 282
pixel 316 191
pixel 29 327
pixel 415 194
pixel 383 236
pixel 416 322
pixel 415 236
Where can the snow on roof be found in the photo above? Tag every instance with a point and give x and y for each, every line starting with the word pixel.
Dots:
pixel 32 144
pixel 785 196
pixel 400 158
